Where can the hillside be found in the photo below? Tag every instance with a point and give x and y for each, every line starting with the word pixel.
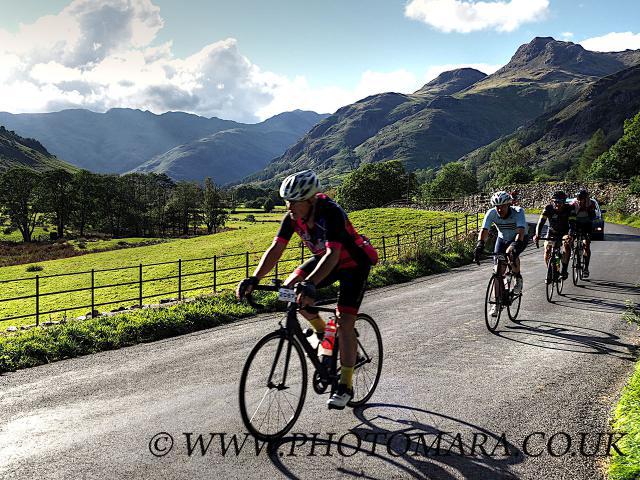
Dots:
pixel 112 142
pixel 455 114
pixel 17 151
pixel 558 137
pixel 232 154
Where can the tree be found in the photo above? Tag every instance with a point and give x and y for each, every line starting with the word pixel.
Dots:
pixel 595 147
pixel 213 209
pixel 622 160
pixel 184 203
pixel 83 184
pixel 374 185
pixel 268 205
pixel 509 164
pixel 19 197
pixel 453 180
pixel 57 196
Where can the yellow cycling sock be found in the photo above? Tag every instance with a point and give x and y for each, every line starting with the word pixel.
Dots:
pixel 346 376
pixel 318 324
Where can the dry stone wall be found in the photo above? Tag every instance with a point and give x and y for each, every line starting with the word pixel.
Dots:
pixel 536 195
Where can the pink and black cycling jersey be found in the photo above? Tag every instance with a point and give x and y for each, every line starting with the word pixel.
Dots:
pixel 332 229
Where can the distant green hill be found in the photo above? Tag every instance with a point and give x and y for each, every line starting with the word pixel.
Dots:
pixel 17 151
pixel 229 155
pixel 451 116
pixel 559 136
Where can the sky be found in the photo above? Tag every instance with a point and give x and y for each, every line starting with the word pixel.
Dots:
pixel 247 60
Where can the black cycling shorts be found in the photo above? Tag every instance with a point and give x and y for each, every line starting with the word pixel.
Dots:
pixel 586 228
pixel 353 282
pixel 501 247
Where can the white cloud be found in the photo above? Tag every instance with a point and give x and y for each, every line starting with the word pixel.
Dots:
pixel 613 42
pixel 468 16
pixel 101 55
pixel 566 35
pixel 297 93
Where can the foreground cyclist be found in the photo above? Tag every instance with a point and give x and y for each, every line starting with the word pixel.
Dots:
pixel 561 220
pixel 511 223
pixel 585 211
pixel 339 254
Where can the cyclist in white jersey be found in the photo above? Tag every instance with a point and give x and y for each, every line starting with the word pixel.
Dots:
pixel 511 223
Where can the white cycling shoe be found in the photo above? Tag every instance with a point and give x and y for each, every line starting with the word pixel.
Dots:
pixel 340 397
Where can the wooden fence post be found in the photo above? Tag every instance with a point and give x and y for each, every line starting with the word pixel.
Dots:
pixel 215 273
pixel 179 279
pixel 384 249
pixel 37 300
pixel 140 285
pixel 93 286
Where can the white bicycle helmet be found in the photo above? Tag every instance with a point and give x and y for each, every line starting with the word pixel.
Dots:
pixel 501 198
pixel 300 186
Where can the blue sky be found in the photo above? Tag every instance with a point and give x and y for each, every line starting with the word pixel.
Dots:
pixel 249 59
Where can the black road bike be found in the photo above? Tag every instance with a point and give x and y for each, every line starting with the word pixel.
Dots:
pixel 273 384
pixel 577 262
pixel 553 280
pixel 502 296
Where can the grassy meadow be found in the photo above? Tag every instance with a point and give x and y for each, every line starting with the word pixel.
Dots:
pixel 160 261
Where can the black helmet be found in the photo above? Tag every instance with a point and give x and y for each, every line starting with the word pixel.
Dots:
pixel 559 196
pixel 582 195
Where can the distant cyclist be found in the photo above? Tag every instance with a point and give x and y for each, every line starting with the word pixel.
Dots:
pixel 511 223
pixel 561 220
pixel 585 210
pixel 339 254
pixel 515 197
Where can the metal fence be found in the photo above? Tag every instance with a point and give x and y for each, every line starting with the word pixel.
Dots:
pixel 38 295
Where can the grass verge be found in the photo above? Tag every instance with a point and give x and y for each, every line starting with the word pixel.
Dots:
pixel 75 338
pixel 622 219
pixel 627 419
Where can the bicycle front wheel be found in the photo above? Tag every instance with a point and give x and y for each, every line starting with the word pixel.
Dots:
pixel 559 284
pixel 577 265
pixel 551 279
pixel 273 386
pixel 366 373
pixel 514 305
pixel 490 301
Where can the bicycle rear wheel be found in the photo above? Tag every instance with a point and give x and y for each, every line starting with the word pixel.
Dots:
pixel 273 386
pixel 577 265
pixel 366 373
pixel 490 300
pixel 550 279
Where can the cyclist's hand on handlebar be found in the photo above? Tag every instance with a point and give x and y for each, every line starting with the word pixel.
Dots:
pixel 306 293
pixel 478 251
pixel 245 287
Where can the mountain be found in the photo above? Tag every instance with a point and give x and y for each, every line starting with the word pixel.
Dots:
pixel 232 154
pixel 558 137
pixel 451 116
pixel 115 141
pixel 17 151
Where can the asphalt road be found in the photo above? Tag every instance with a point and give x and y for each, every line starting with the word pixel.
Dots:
pixel 556 371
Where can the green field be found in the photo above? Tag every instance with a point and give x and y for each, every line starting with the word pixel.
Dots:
pixel 197 275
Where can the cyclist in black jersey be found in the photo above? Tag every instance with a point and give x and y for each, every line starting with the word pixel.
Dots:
pixel 339 254
pixel 585 210
pixel 561 218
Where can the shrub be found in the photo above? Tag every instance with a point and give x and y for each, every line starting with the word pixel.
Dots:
pixel 35 268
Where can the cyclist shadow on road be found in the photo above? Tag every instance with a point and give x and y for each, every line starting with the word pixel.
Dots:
pixel 590 303
pixel 398 441
pixel 622 237
pixel 570 338
pixel 609 286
